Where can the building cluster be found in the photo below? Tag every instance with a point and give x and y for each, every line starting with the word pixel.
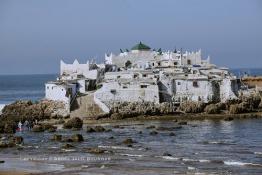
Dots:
pixel 145 74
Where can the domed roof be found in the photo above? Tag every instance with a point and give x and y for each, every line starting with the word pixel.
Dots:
pixel 140 46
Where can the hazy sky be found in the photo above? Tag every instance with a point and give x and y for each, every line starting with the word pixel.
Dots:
pixel 36 34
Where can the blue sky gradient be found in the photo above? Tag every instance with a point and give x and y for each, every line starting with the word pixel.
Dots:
pixel 36 34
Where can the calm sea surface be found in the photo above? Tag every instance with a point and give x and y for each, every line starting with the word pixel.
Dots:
pixel 201 147
pixel 23 87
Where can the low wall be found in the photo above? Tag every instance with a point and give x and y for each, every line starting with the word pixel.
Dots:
pixel 100 103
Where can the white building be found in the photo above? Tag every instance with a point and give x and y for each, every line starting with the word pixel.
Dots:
pixel 141 56
pixel 127 86
pixel 61 91
pixel 77 71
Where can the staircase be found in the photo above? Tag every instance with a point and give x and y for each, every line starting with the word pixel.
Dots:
pixel 84 107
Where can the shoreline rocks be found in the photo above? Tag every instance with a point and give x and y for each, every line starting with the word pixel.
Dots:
pixel 73 123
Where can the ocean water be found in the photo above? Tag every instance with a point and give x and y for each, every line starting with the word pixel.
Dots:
pixel 200 147
pixel 23 87
pixel 251 72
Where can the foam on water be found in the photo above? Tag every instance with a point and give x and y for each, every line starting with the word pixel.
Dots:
pixel 258 153
pixel 1 107
pixel 170 158
pixel 237 163
pixel 132 155
pixel 116 147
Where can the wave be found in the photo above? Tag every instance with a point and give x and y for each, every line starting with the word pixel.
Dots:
pixel 68 150
pixel 258 153
pixel 116 147
pixel 132 155
pixel 170 158
pixel 237 163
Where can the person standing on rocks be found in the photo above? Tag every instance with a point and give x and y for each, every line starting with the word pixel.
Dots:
pixel 20 126
pixel 26 124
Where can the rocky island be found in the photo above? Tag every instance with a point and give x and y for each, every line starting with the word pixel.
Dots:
pixel 111 109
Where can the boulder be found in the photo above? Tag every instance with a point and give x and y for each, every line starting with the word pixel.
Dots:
pixel 67 140
pixel 128 141
pixel 7 127
pixel 151 127
pixel 77 138
pixel 90 129
pixel 99 129
pixel 229 119
pixel 192 107
pixel 182 123
pixel 153 133
pixel 67 146
pixel 239 108
pixel 212 109
pixel 18 140
pixel 167 154
pixel 172 134
pixel 3 144
pixel 52 129
pixel 47 126
pixel 73 123
pixel 38 128
pixel 95 150
pixel 56 137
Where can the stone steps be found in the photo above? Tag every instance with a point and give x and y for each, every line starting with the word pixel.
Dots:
pixel 84 107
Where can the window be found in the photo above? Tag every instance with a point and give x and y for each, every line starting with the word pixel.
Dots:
pixel 47 87
pixel 159 64
pixel 175 63
pixel 194 71
pixel 178 83
pixel 189 62
pixel 195 84
pixel 118 76
pixel 124 87
pixel 135 76
pixel 144 75
pixel 153 64
pixel 143 86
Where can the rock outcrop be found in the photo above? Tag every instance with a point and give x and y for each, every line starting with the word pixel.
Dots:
pixel 73 123
pixel 192 107
pixel 27 110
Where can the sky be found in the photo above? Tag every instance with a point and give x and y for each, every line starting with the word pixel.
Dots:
pixel 36 34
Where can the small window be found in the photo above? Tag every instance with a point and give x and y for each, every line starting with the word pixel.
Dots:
pixel 159 64
pixel 47 87
pixel 175 63
pixel 124 87
pixel 194 71
pixel 143 86
pixel 118 76
pixel 144 75
pixel 178 83
pixel 135 76
pixel 195 84
pixel 153 64
pixel 189 62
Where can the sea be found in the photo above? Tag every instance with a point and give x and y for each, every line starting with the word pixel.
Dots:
pixel 200 147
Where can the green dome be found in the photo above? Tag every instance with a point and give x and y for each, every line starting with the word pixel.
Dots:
pixel 141 46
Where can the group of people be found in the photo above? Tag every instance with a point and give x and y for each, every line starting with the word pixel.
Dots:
pixel 27 125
